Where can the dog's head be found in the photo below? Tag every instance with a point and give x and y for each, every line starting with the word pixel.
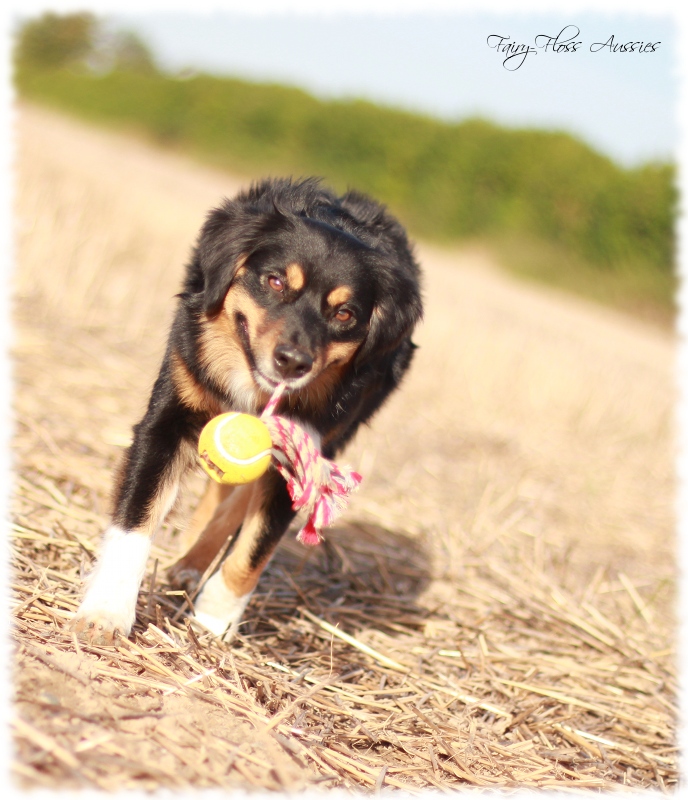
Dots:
pixel 303 296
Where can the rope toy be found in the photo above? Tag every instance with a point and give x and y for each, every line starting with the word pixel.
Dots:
pixel 238 448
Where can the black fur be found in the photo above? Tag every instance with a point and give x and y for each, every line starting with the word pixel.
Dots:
pixel 349 240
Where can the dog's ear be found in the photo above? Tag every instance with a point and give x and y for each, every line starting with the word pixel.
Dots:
pixel 397 309
pixel 227 239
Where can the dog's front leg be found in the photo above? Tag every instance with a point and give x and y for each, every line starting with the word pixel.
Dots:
pixel 222 524
pixel 147 489
pixel 222 602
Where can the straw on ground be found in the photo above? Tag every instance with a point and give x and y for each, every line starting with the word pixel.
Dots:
pixel 496 609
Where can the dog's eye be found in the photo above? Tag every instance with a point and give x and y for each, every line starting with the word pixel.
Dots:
pixel 276 283
pixel 343 315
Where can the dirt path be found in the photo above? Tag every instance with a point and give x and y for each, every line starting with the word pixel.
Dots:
pixel 517 509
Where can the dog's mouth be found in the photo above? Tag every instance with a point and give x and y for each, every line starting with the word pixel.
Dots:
pixel 260 377
pixel 263 381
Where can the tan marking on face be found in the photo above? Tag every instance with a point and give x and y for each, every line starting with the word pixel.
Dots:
pixel 265 338
pixel 340 352
pixel 240 300
pixel 190 391
pixel 222 354
pixel 263 332
pixel 296 278
pixel 342 294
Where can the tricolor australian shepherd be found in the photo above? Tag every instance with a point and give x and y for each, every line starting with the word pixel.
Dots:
pixel 287 282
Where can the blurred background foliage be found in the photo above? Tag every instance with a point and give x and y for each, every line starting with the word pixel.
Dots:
pixel 548 205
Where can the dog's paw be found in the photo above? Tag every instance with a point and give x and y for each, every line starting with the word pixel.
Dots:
pixel 183 577
pixel 218 609
pixel 109 605
pixel 99 628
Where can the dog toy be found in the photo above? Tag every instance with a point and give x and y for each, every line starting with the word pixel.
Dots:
pixel 238 448
pixel 235 448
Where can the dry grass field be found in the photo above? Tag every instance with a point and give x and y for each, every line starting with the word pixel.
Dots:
pixel 496 608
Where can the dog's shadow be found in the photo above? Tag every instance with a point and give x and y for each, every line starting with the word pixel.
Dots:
pixel 359 572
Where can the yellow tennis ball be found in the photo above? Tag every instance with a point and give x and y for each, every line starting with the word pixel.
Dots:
pixel 235 448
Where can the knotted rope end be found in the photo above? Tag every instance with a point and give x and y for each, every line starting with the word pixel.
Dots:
pixel 317 485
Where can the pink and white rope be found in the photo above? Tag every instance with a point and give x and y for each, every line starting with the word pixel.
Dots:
pixel 317 485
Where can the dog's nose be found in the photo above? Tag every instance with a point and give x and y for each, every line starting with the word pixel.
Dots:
pixel 292 362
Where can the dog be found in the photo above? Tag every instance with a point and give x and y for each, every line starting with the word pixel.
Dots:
pixel 287 283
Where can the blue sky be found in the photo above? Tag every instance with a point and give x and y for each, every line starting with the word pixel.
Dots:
pixel 623 104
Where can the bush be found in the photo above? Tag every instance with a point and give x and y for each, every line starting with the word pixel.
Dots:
pixel 446 181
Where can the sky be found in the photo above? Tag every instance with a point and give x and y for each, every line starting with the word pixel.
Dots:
pixel 442 64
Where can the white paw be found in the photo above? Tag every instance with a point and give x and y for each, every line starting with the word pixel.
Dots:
pixel 218 609
pixel 100 627
pixel 109 605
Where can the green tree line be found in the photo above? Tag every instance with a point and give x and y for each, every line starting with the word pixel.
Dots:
pixel 447 181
